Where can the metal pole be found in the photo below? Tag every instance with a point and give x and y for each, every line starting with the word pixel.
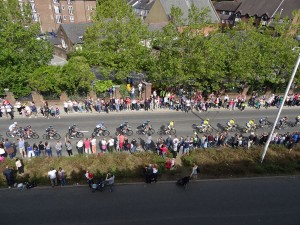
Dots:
pixel 280 109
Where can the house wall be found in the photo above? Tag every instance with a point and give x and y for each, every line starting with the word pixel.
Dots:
pixel 52 13
pixel 62 36
pixel 157 14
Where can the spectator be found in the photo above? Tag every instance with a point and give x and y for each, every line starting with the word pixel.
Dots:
pixel 93 145
pixel 155 173
pixel 52 176
pixel 20 166
pixel 195 170
pixel 36 150
pixel 58 148
pixel 69 147
pixel 30 152
pixel 149 174
pixel 61 176
pixel 111 143
pixel 9 175
pixel 87 146
pixel 79 147
pixel 21 144
pixel 41 148
pixel 48 149
pixel 90 178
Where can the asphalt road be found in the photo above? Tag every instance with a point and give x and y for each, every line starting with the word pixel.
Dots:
pixel 183 121
pixel 257 201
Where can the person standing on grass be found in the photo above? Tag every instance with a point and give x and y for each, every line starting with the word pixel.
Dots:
pixel 93 144
pixel 21 144
pixel 79 146
pixel 30 152
pixel 48 149
pixel 58 148
pixel 195 171
pixel 20 166
pixel 61 176
pixel 52 176
pixel 41 147
pixel 9 175
pixel 87 146
pixel 69 147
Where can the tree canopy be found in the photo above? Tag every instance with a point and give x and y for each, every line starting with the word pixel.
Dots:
pixel 20 50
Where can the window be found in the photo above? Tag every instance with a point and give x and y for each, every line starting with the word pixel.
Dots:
pixel 69 2
pixel 35 17
pixel 65 17
pixel 31 0
pixel 32 5
pixel 57 9
pixel 63 43
pixel 72 19
pixel 58 18
pixel 62 7
pixel 70 10
pixel 56 1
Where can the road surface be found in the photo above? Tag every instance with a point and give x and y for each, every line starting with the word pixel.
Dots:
pixel 254 201
pixel 183 121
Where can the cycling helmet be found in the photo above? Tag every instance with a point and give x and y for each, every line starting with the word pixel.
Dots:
pixel 126 122
pixel 148 121
pixel 15 123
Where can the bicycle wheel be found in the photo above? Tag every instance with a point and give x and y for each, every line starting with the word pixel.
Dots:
pixel 56 136
pixel 8 134
pixel 129 132
pixel 160 132
pixel 151 131
pixel 173 132
pixel 35 136
pixel 79 135
pixel 46 136
pixel 105 133
pixel 139 132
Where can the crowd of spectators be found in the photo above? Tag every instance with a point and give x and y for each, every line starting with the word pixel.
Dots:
pixel 164 100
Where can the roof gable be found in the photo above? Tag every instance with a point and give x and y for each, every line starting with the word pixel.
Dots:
pixel 259 7
pixel 185 5
pixel 230 6
pixel 75 31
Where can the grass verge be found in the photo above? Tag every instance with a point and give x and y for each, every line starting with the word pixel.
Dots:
pixel 214 163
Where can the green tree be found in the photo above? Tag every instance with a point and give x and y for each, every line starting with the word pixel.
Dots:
pixel 46 80
pixel 116 41
pixel 20 50
pixel 76 76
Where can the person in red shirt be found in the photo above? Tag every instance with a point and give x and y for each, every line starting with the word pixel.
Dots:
pixel 87 146
pixel 163 150
pixel 121 141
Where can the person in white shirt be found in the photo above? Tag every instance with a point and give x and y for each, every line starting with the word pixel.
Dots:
pixel 111 143
pixel 52 176
pixel 79 146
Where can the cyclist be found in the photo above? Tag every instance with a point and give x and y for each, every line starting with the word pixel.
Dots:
pixel 283 121
pixel 27 130
pixel 171 125
pixel 263 121
pixel 205 123
pixel 146 125
pixel 13 128
pixel 298 119
pixel 72 130
pixel 250 123
pixel 231 123
pixel 99 127
pixel 50 131
pixel 124 126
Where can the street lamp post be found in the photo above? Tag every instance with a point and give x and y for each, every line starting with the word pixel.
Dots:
pixel 280 109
